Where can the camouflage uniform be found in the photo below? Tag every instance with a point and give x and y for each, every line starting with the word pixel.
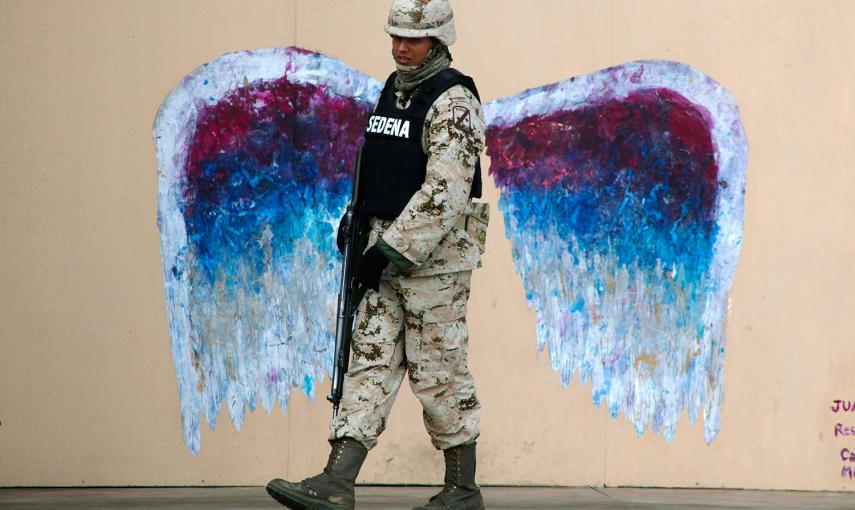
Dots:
pixel 416 322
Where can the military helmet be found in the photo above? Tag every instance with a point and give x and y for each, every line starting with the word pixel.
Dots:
pixel 422 18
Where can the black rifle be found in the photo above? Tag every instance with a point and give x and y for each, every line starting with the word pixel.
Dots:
pixel 350 291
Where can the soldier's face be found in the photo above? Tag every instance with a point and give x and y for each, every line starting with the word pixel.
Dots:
pixel 411 51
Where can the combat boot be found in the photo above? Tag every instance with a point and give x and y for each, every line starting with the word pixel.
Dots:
pixel 330 490
pixel 460 491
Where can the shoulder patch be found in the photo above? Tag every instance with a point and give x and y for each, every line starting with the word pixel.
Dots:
pixel 461 116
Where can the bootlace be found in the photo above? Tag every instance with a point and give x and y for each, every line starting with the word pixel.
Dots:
pixel 452 481
pixel 327 474
pixel 335 455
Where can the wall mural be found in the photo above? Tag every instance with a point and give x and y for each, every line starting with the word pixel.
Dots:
pixel 622 195
pixel 254 153
pixel 621 192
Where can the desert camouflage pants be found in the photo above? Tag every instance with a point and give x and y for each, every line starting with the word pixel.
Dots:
pixel 415 326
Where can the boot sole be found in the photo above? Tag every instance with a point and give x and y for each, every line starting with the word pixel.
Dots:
pixel 478 506
pixel 296 501
pixel 482 507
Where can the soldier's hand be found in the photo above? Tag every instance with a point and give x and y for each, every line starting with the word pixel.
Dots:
pixel 370 267
pixel 339 237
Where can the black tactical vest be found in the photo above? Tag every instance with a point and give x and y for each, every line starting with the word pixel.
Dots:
pixel 393 162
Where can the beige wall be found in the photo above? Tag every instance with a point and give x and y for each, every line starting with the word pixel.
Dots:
pixel 87 388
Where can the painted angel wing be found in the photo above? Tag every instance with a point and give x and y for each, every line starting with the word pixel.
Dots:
pixel 622 194
pixel 255 153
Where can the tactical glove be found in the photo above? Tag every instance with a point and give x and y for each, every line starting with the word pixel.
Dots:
pixel 339 237
pixel 370 267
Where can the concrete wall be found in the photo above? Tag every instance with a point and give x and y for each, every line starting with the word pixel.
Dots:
pixel 87 389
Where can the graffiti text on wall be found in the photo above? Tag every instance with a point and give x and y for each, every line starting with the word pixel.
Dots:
pixel 846 408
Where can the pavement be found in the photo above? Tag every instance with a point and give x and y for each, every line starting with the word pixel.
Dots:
pixel 389 498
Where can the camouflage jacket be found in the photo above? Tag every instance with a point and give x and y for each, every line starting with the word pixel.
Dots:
pixel 441 230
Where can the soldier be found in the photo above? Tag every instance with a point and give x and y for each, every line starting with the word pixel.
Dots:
pixel 420 172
